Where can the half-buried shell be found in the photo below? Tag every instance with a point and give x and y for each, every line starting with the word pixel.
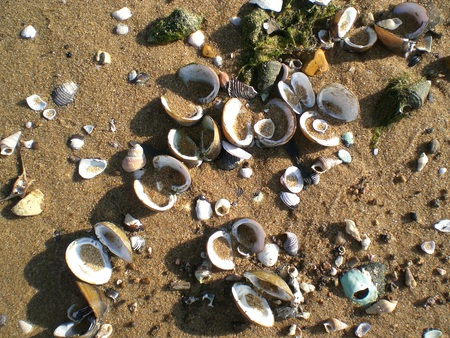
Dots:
pixel 249 234
pixel 339 102
pixel 270 283
pixel 186 116
pixel 220 251
pixel 195 72
pixel 115 239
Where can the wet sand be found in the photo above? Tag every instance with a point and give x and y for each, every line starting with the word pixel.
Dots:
pixel 36 284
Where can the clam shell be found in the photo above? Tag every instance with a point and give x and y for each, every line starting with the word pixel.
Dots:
pixel 264 128
pixel 95 298
pixel 352 230
pixel 390 24
pixel 422 161
pixel 298 93
pixel 269 255
pixel 135 159
pixel 394 42
pixel 254 307
pixel 428 247
pixel 88 261
pixel 90 167
pixel 222 207
pixel 290 199
pixel 199 73
pixel 36 103
pixel 305 123
pixel 184 148
pixel 29 32
pixel 361 48
pixel 333 325
pixel 49 114
pixel 88 129
pixel 168 161
pixel 323 164
pixel 226 161
pixel 271 5
pixel 203 209
pixel 65 93
pixel 343 22
pixel 246 172
pixel 249 234
pixel 325 39
pixel 415 12
pixel 88 327
pixel 195 113
pixel 320 125
pixel 431 333
pixel 230 113
pixel 443 225
pixel 382 306
pixel 290 243
pixel 8 144
pixel 115 239
pixel 270 283
pixel 236 151
pixel 362 329
pixel 292 179
pixel 122 14
pixel 339 102
pixel 220 251
pixel 241 90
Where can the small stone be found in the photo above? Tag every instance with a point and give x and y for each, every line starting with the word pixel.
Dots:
pixel 317 65
pixel 3 319
pixel 413 216
pixel 30 205
pixel 122 29
pixel 433 146
pixel 375 151
pixel 218 61
pixel 25 326
pixel 442 171
pixel 348 139
pixel 208 52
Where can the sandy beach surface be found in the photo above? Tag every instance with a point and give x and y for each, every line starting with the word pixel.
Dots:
pixel 378 192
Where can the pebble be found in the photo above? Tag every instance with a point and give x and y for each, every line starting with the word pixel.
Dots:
pixel 3 319
pixel 208 52
pixel 29 125
pixel 433 146
pixel 348 139
pixel 218 61
pixel 30 205
pixel 414 217
pixel 235 21
pixel 442 171
pixel 375 151
pixel 344 156
pixel 317 65
pixel 122 29
pixel 103 58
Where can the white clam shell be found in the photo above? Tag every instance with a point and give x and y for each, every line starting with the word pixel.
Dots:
pixel 428 247
pixel 195 113
pixel 235 20
pixel 246 172
pixel 90 167
pixel 222 207
pixel 339 102
pixel 122 14
pixel 236 151
pixel 343 22
pixel 269 255
pixel 49 114
pixel 422 161
pixel 199 73
pixel 122 29
pixel 362 329
pixel 270 283
pixel 220 251
pixel 29 32
pixel 325 39
pixel 324 139
pixel 298 93
pixel 292 179
pixel 443 225
pixel 36 103
pixel 320 125
pixel 249 234
pixel 290 199
pixel 196 39
pixel 88 129
pixel 371 38
pixel 76 142
pixel 230 113
pixel 264 128
pixel 365 242
pixel 8 144
pixel 272 5
pixel 414 11
pixel 432 333
pixel 203 209
pixel 115 239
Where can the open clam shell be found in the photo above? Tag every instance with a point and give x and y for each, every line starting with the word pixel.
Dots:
pixel 306 126
pixel 298 93
pixel 339 102
pixel 115 239
pixel 36 103
pixel 249 234
pixel 90 167
pixel 353 44
pixel 343 22
pixel 413 12
pixel 87 328
pixel 189 115
pixel 184 148
pixel 264 128
pixel 88 261
pixel 240 135
pixel 270 283
pixel 220 251
pixel 254 307
pixel 292 179
pixel 195 72
pixel 95 298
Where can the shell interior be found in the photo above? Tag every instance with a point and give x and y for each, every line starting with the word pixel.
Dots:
pixel 195 72
pixel 249 234
pixel 270 283
pixel 339 102
pixel 299 93
pixel 90 167
pixel 181 110
pixel 344 21
pixel 220 251
pixel 239 134
pixel 95 297
pixel 361 40
pixel 115 239
pixel 36 103
pixel 324 139
pixel 292 179
pixel 264 128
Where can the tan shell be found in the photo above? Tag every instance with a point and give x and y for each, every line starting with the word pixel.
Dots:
pixel 382 306
pixel 270 283
pixel 324 139
pixel 333 325
pixel 343 22
pixel 323 164
pixel 352 230
pixel 193 115
pixel 135 159
pixel 393 42
pixel 115 239
pixel 231 110
pixel 95 297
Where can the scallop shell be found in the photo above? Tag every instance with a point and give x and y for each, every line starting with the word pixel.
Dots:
pixel 443 225
pixel 362 329
pixel 135 159
pixel 122 14
pixel 65 93
pixel 194 113
pixel 90 167
pixel 137 243
pixel 269 255
pixel 222 207
pixel 249 234
pixel 220 251
pixel 230 113
pixel 87 260
pixel 292 179
pixel 323 164
pixel 382 306
pixel 343 22
pixel 29 32
pixel 254 307
pixel 361 48
pixel 270 283
pixel 8 144
pixel 203 209
pixel 390 24
pixel 333 325
pixel 240 90
pixel 199 73
pixel 416 12
pixel 115 239
pixel 298 93
pixel 339 102
pixel 49 114
pixel 428 247
pixel 36 103
pixel 290 199
pixel 305 123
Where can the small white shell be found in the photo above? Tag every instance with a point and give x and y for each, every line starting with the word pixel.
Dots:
pixel 222 207
pixel 122 14
pixel 102 57
pixel 236 151
pixel 333 325
pixel 365 242
pixel 264 128
pixel 8 144
pixel 25 327
pixel 382 306
pixel 88 129
pixel 27 144
pixel 246 172
pixel 29 32
pixel 49 114
pixel 428 247
pixel 422 161
pixel 352 230
pixel 249 234
pixel 196 39
pixel 76 142
pixel 137 242
pixel 269 255
pixel 410 281
pixel 390 24
pixel 292 179
pixel 442 171
pixel 320 125
pixel 343 22
pixel 115 239
pixel 304 123
pixel 235 20
pixel 218 61
pixel 443 225
pixel 432 333
pixel 362 329
pixel 290 199
pixel 203 209
pixel 36 103
pixel 122 29
pixel 90 167
pixel 220 251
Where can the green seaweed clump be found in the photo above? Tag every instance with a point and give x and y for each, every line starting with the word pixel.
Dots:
pixel 178 25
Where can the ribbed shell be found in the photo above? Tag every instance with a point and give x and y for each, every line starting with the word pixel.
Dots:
pixel 65 93
pixel 241 90
pixel 290 244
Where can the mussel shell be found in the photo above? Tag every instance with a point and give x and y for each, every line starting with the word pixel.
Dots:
pixel 115 239
pixel 220 251
pixel 226 161
pixel 65 93
pixel 249 234
pixel 339 102
pixel 95 297
pixel 393 42
pixel 87 328
pixel 270 283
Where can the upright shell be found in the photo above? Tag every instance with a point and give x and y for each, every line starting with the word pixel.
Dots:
pixel 323 164
pixel 115 239
pixel 135 159
pixel 65 93
pixel 233 110
pixel 8 144
pixel 196 72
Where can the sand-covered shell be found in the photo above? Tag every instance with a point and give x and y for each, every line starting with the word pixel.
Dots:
pixel 290 199
pixel 240 90
pixel 49 114
pixel 88 261
pixel 237 134
pixel 370 37
pixel 65 93
pixel 323 164
pixel 362 329
pixel 195 72
pixel 416 12
pixel 8 144
pixel 135 159
pixel 269 255
pixel 333 325
pixel 270 283
pixel 325 138
pixel 443 225
pixel 187 116
pixel 36 103
pixel 220 251
pixel 337 101
pixel 298 93
pixel 249 234
pixel 342 23
pixel 292 179
pixel 253 306
pixel 121 29
pixel 222 207
pixel 115 239
pixel 90 167
pixel 382 306
pixel 428 247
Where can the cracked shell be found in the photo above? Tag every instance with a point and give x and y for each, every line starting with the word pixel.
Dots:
pixel 220 251
pixel 270 283
pixel 115 239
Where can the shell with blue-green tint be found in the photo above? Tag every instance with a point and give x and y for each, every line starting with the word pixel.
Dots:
pixel 358 287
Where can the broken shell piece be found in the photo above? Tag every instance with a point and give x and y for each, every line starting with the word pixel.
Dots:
pixel 249 234
pixel 88 129
pixel 220 251
pixel 240 90
pixel 49 114
pixel 25 327
pixel 30 205
pixel 368 41
pixel 36 103
pixel 239 135
pixel 410 281
pixel 27 144
pixel 305 122
pixel 428 247
pixel 199 73
pixel 343 22
pixel 365 242
pixel 132 224
pixel 196 39
pixel 189 116
pixel 298 93
pixel 103 58
pixel 105 331
pixel 291 200
pixel 115 239
pixel 271 5
pixel 269 255
pixel 320 2
pixel 362 329
pixel 8 144
pixel 222 207
pixel 254 307
pixel 382 306
pixel 325 39
pixel 339 102
pixel 323 164
pixel 422 161
pixel 90 167
pixel 65 93
pixel 352 230
pixel 245 171
pixel 76 142
pixel 122 14
pixel 236 151
pixel 390 24
pixel 203 209
pixel 29 32
pixel 443 225
pixel 270 283
pixel 292 179
pixel 135 159
pixel 333 325
pixel 137 243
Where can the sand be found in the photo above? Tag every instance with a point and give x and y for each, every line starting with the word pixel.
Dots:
pixel 377 192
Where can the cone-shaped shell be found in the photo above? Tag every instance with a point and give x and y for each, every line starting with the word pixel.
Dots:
pixel 393 42
pixel 270 283
pixel 230 113
pixel 115 239
pixel 254 307
pixel 220 251
pixel 8 144
pixel 65 93
pixel 135 159
pixel 339 102
pixel 343 22
pixel 199 73
pixel 323 164
pixel 324 139
pixel 298 93
pixel 382 306
pixel 95 297
pixel 193 115
pixel 352 230
pixel 361 48
pixel 333 325
pixel 249 234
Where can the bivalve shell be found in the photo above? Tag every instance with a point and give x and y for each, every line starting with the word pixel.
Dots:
pixel 269 255
pixel 362 329
pixel 390 24
pixel 76 142
pixel 246 171
pixel 270 283
pixel 8 144
pixel 90 167
pixel 115 239
pixel 222 207
pixel 29 32
pixel 49 114
pixel 203 209
pixel 290 199
pixel 199 73
pixel 343 22
pixel 220 251
pixel 431 333
pixel 298 93
pixel 394 42
pixel 249 234
pixel 236 151
pixel 292 179
pixel 443 225
pixel 65 93
pixel 135 159
pixel 382 306
pixel 339 102
pixel 369 41
pixel 95 298
pixel 122 14
pixel 237 134
pixel 333 325
pixel 289 242
pixel 36 103
pixel 190 115
pixel 414 12
pixel 306 125
pixel 264 128
pixel 428 247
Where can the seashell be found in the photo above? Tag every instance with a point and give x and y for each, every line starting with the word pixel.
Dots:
pixel 269 255
pixel 115 239
pixel 190 116
pixel 352 230
pixel 347 139
pixel 135 159
pixel 29 32
pixel 305 123
pixel 137 243
pixel 325 39
pixel 29 125
pixel 333 325
pixel 132 224
pixel 422 161
pixel 122 29
pixel 222 207
pixel 342 23
pixel 394 42
pixel 371 38
pixel 249 234
pixel 298 93
pixel 359 287
pixel 295 65
pixel 25 327
pixel 113 294
pixel 289 242
pixel 86 328
pixel 49 114
pixel 292 179
pixel 323 164
pixel 365 242
pixel 290 199
pixel 122 14
pixel 428 247
pixel 235 21
pixel 410 281
pixel 232 109
pixel 220 251
pixel 271 5
pixel 264 128
pixel 320 3
pixel 76 142
pixel 65 93
pixel 195 72
pixel 245 171
pixel 36 103
pixel 236 151
pixel 443 225
pixel 88 261
pixel 218 61
pixel 270 283
pixel 431 333
pixel 90 167
pixel 203 273
pixel 253 306
pixel 337 101
pixel 390 24
pixel 415 12
pixel 203 209
pixel 339 261
pixel 95 298
pixel 8 144
pixel 105 331
pixel 226 161
pixel 320 125
pixel 382 306
pixel 344 156
pixel 362 329
pixel 196 39
pixel 240 90
pixel 88 129
pixel 442 171
pixel 102 57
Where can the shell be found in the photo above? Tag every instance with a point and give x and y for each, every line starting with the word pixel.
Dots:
pixel 203 273
pixel 298 93
pixel 339 102
pixel 122 29
pixel 289 242
pixel 88 129
pixel 236 151
pixel 246 171
pixel 65 93
pixel 325 39
pixel 135 159
pixel 428 247
pixel 292 179
pixel 49 114
pixel 220 251
pixel 362 329
pixel 305 123
pixel 269 255
pixel 290 199
pixel 267 74
pixel 270 283
pixel 105 331
pixel 137 243
pixel 414 11
pixel 382 306
pixel 115 239
pixel 29 32
pixel 112 294
pixel 184 148
pixel 357 48
pixel 203 209
pixel 8 144
pixel 271 5
pixel 122 14
pixel 249 234
pixel 90 167
pixel 323 164
pixel 88 261
pixel 352 230
pixel 36 103
pixel 320 125
pixel 390 24
pixel 359 287
pixel 394 42
pixel 199 73
pixel 422 161
pixel 343 21
pixel 226 161
pixel 102 57
pixel 76 142
pixel 254 307
pixel 431 333
pixel 25 327
pixel 95 298
pixel 410 281
pixel 333 325
pixel 443 225
pixel 230 113
pixel 218 61
pixel 190 116
pixel 222 207
pixel 132 224
pixel 365 242
pixel 264 128
pixel 88 327
pixel 240 90
pixel 196 39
